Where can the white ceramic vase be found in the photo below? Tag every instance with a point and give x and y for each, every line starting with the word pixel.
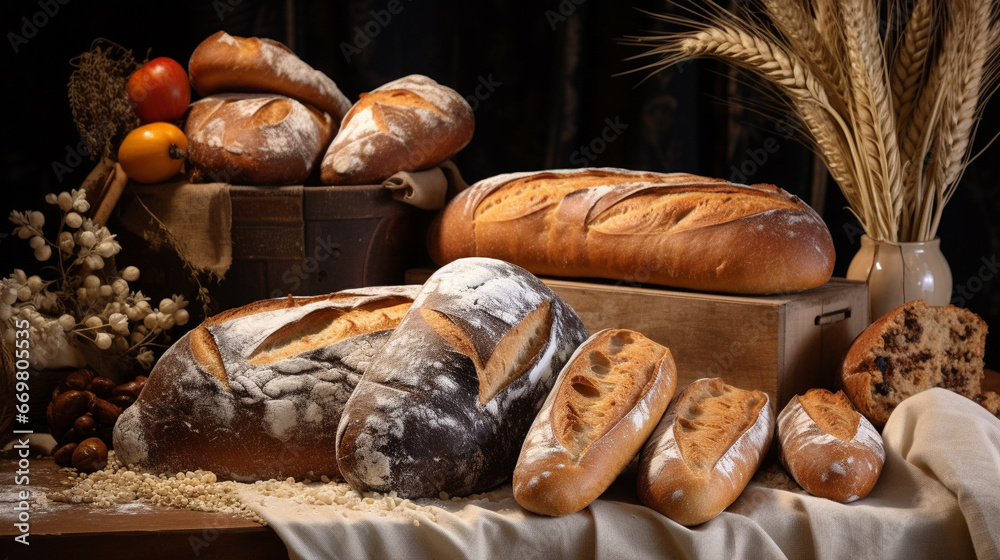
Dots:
pixel 900 272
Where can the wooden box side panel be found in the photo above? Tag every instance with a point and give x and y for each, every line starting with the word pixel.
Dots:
pixel 716 336
pixel 817 332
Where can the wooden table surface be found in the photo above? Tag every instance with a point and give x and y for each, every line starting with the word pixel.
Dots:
pixel 83 531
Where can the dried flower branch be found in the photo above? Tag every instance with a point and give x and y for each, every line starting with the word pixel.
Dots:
pixel 85 304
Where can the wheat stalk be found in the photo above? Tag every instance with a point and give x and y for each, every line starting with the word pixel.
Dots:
pixel 797 26
pixel 891 116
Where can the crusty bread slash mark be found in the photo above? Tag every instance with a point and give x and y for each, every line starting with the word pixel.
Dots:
pixel 719 415
pixel 826 410
pixel 324 327
pixel 511 357
pixel 604 385
pixel 272 112
pixel 206 353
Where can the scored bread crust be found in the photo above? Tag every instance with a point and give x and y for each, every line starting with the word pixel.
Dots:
pixel 225 63
pixel 828 447
pixel 910 349
pixel 672 229
pixel 445 405
pixel 704 451
pixel 408 124
pixel 256 392
pixel 606 402
pixel 254 139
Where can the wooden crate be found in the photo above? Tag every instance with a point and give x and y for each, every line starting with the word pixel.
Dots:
pixel 781 344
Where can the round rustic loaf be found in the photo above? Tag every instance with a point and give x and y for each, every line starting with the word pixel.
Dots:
pixel 257 392
pixel 254 139
pixel 672 229
pixel 828 447
pixel 606 402
pixel 224 63
pixel 911 349
pixel 408 124
pixel 446 403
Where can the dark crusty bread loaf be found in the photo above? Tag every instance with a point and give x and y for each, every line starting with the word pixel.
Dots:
pixel 606 402
pixel 254 139
pixel 224 63
pixel 408 124
pixel 828 447
pixel 446 403
pixel 675 229
pixel 705 450
pixel 911 349
pixel 257 392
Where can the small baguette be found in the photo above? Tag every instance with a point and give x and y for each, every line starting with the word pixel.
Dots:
pixel 408 124
pixel 224 63
pixel 606 402
pixel 705 450
pixel 672 229
pixel 828 447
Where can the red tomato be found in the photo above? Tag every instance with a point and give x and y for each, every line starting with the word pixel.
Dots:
pixel 159 91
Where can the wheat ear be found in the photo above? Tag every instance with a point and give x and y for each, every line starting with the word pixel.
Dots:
pixel 872 117
pixel 910 62
pixel 959 111
pixel 796 26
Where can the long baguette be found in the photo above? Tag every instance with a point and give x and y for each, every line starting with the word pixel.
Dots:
pixel 675 230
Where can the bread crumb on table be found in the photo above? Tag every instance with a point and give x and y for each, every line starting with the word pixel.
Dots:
pixel 118 484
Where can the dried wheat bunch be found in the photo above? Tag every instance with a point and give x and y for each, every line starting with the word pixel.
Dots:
pixel 888 94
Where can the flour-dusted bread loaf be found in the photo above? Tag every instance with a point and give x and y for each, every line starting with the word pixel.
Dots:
pixel 408 124
pixel 911 349
pixel 606 402
pixel 446 403
pixel 675 230
pixel 828 447
pixel 257 392
pixel 705 450
pixel 254 139
pixel 225 63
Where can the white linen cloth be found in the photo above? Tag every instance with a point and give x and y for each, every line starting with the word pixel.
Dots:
pixel 938 497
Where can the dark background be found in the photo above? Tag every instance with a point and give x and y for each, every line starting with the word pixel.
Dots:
pixel 546 79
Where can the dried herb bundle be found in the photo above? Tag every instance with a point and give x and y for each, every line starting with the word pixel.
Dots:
pixel 892 112
pixel 98 99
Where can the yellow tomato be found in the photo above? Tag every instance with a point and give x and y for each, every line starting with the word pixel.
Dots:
pixel 153 153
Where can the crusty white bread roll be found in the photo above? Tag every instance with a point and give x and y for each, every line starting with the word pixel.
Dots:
pixel 408 124
pixel 705 450
pixel 446 403
pixel 224 63
pixel 256 392
pixel 911 349
pixel 254 139
pixel 606 402
pixel 675 230
pixel 828 447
